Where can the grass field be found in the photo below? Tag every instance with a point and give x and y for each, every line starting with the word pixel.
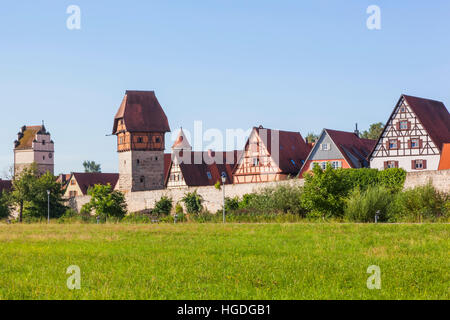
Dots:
pixel 235 261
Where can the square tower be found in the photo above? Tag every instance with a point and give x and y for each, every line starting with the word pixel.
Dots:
pixel 34 145
pixel 140 126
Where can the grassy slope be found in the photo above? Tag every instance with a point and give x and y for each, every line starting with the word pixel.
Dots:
pixel 236 261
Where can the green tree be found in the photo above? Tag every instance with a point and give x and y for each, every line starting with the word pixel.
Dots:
pixel 91 166
pixel 22 188
pixel 37 204
pixel 5 204
pixel 324 191
pixel 312 137
pixel 374 132
pixel 105 202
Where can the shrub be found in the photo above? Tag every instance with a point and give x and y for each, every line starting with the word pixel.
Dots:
pixel 105 202
pixel 163 206
pixel 392 179
pixel 419 204
pixel 325 191
pixel 231 204
pixel 360 178
pixel 193 202
pixel 70 216
pixel 361 206
pixel 279 199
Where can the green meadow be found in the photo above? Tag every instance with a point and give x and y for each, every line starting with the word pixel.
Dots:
pixel 232 261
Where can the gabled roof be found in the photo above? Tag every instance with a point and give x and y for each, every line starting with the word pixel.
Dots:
pixel 87 180
pixel 26 137
pixel 292 148
pixel 141 112
pixel 5 185
pixel 434 117
pixel 196 174
pixel 351 146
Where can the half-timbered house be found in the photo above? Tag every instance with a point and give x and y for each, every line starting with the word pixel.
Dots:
pixel 340 149
pixel 195 169
pixel 270 155
pixel 414 136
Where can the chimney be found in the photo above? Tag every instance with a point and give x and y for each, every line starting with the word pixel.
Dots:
pixel 356 130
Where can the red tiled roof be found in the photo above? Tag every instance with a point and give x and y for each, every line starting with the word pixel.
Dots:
pixel 351 146
pixel 434 116
pixel 292 149
pixel 5 185
pixel 86 180
pixel 196 175
pixel 141 112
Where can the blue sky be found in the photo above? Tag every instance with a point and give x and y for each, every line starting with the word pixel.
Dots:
pixel 292 65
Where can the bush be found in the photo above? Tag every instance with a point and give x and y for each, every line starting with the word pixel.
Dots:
pixel 163 206
pixel 392 179
pixel 70 216
pixel 231 204
pixel 105 202
pixel 193 202
pixel 325 191
pixel 280 199
pixel 179 209
pixel 420 204
pixel 361 206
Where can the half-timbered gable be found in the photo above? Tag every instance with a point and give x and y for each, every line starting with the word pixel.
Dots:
pixel 195 169
pixel 270 155
pixel 340 149
pixel 413 136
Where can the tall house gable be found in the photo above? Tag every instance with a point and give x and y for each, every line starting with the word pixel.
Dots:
pixel 270 155
pixel 413 136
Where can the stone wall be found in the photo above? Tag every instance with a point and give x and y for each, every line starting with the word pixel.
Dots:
pixel 213 198
pixel 440 179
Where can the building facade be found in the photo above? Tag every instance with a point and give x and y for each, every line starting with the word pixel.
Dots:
pixel 270 155
pixel 340 149
pixel 140 126
pixel 414 136
pixel 79 182
pixel 34 145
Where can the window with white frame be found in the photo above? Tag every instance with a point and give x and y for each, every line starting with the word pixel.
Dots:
pixel 336 164
pixel 323 165
pixel 393 144
pixel 415 143
pixel 391 164
pixel 325 146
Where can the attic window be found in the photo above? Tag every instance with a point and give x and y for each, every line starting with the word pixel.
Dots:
pixel 255 162
pixel 140 140
pixel 403 125
pixel 209 175
pixel 325 146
